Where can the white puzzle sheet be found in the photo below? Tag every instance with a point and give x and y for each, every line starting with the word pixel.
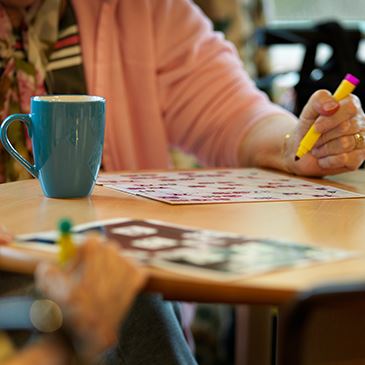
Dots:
pixel 220 186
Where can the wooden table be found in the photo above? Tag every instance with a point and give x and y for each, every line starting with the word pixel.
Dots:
pixel 328 223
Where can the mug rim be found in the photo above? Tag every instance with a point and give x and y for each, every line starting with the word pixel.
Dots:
pixel 68 98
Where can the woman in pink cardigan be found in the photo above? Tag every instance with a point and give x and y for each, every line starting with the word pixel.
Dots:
pixel 169 80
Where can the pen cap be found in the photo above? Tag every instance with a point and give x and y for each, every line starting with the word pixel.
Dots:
pixel 346 87
pixel 352 79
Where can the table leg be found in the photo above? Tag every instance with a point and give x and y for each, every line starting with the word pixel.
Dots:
pixel 254 329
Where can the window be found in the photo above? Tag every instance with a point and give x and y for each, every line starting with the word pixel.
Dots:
pixel 303 13
pixel 313 10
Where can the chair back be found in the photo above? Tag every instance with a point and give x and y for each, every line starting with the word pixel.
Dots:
pixel 325 326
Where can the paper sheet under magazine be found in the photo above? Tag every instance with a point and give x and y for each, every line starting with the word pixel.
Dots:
pixel 220 186
pixel 198 252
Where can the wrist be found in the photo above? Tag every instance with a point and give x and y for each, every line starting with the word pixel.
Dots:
pixel 90 349
pixel 270 144
pixel 287 155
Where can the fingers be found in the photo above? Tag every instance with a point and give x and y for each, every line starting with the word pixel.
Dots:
pixel 320 103
pixel 99 270
pixel 337 146
pixel 350 109
pixel 346 137
pixel 344 161
pixel 346 152
pixel 341 144
pixel 94 292
pixel 346 128
pixel 53 282
pixel 88 252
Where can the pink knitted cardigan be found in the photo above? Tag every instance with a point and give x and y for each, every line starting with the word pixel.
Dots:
pixel 169 80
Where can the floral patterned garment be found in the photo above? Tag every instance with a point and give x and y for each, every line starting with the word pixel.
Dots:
pixel 41 57
pixel 18 82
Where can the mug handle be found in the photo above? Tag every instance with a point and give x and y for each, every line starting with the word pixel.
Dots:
pixel 26 119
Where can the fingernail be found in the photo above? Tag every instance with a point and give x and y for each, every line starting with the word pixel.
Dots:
pixel 329 106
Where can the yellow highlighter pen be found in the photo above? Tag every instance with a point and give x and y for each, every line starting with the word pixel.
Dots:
pixel 67 248
pixel 346 87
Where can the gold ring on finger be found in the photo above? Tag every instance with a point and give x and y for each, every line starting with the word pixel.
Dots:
pixel 359 140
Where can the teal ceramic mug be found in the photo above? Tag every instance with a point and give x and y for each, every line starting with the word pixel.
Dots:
pixel 67 133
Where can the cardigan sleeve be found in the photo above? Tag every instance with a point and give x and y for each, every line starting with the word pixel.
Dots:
pixel 208 101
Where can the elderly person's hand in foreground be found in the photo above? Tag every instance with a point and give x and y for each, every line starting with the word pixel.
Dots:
pixel 94 293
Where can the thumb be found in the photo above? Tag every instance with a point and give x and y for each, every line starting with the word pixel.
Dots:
pixel 52 281
pixel 320 103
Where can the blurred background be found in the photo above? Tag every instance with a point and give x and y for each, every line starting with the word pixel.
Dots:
pixel 273 38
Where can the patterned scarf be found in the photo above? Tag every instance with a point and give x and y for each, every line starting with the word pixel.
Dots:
pixel 23 59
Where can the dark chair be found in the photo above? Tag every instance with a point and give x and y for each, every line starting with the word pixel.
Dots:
pixel 344 44
pixel 325 326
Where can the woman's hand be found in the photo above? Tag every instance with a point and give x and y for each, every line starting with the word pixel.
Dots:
pixel 340 147
pixel 5 235
pixel 94 292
